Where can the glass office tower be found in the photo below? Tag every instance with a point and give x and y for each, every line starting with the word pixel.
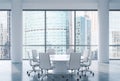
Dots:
pixel 47 29
pixel 57 30
pixel 33 31
pixel 4 35
pixel 83 33
pixel 87 32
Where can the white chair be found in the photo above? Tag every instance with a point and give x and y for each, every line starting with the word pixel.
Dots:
pixel 74 62
pixel 85 56
pixel 34 64
pixel 69 51
pixel 86 63
pixel 45 63
pixel 50 51
pixel 35 55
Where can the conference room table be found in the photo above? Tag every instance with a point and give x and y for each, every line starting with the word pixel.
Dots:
pixel 61 63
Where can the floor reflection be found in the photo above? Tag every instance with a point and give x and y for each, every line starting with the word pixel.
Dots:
pixel 16 72
pixel 84 78
pixel 103 72
pixel 60 77
pixel 35 78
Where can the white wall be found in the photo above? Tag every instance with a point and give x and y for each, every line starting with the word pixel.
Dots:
pixel 59 4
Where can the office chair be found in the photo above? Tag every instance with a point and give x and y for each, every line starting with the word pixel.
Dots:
pixel 74 63
pixel 86 63
pixel 45 64
pixel 69 51
pixel 35 55
pixel 50 51
pixel 34 64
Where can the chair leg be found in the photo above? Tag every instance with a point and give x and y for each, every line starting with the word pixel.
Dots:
pixel 28 72
pixel 33 70
pixel 88 70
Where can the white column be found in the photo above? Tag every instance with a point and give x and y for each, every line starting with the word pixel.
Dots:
pixel 16 31
pixel 103 13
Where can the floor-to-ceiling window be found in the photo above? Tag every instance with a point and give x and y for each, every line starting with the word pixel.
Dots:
pixel 4 34
pixel 114 34
pixel 60 30
pixel 86 32
pixel 33 31
pixel 47 29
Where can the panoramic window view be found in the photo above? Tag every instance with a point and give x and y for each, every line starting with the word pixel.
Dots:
pixel 4 35
pixel 68 29
pixel 114 34
pixel 60 30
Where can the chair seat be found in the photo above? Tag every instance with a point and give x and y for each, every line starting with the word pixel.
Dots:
pixel 74 63
pixel 84 64
pixel 35 64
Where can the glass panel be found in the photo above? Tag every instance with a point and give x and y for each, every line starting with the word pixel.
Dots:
pixel 61 30
pixel 91 49
pixel 4 52
pixel 4 35
pixel 86 29
pixel 33 31
pixel 26 49
pixel 33 28
pixel 58 49
pixel 94 51
pixel 59 26
pixel 114 52
pixel 114 34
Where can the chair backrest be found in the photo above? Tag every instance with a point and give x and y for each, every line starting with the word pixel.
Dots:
pixel 44 61
pixel 90 59
pixel 34 55
pixel 69 51
pixel 50 51
pixel 74 62
pixel 29 58
pixel 85 55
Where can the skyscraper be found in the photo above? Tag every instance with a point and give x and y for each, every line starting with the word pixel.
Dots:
pixel 83 33
pixel 47 29
pixel 4 35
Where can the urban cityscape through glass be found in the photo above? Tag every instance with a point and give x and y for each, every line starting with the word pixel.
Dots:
pixel 4 35
pixel 60 30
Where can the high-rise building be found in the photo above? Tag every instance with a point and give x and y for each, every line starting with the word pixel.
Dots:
pixel 4 35
pixel 50 31
pixel 115 51
pixel 83 33
pixel 57 28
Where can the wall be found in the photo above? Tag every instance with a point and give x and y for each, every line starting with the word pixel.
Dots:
pixel 59 4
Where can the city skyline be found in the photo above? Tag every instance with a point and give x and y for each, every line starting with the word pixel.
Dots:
pixel 37 22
